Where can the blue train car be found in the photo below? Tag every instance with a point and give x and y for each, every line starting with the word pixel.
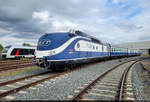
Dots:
pixel 118 51
pixel 69 48
pixel 56 50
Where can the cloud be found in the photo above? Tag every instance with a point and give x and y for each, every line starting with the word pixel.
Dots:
pixel 42 16
pixel 116 1
pixel 76 1
pixel 113 21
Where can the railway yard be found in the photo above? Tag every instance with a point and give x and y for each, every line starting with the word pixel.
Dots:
pixel 117 79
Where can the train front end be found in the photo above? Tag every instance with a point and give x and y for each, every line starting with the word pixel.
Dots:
pixel 49 46
pixel 5 52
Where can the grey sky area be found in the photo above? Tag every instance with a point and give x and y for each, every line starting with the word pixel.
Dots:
pixel 112 21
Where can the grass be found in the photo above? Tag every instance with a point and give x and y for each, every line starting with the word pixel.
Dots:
pixel 19 71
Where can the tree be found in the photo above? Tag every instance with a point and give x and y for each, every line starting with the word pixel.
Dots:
pixel 1 47
pixel 26 44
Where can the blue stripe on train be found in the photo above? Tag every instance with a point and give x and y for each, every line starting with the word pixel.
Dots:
pixel 76 54
pixel 118 53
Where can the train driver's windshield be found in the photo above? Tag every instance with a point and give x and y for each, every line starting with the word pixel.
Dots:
pixel 6 49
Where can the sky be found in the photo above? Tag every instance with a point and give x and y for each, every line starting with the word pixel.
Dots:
pixel 111 21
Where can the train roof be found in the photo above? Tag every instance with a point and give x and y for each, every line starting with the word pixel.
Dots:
pixel 26 47
pixel 115 46
pixel 77 32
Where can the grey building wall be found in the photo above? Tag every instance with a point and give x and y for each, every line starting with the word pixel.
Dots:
pixel 144 51
pixel 144 46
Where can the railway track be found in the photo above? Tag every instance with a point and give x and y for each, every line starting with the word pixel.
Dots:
pixel 6 61
pixel 9 62
pixel 30 81
pixel 114 84
pixel 18 85
pixel 15 65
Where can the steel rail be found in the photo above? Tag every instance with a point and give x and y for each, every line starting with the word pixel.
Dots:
pixel 95 81
pixel 15 90
pixel 80 94
pixel 20 79
pixel 123 80
pixel 16 62
pixel 15 67
pixel 6 61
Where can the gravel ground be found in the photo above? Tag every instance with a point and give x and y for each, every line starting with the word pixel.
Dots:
pixel 3 79
pixel 60 88
pixel 141 83
pixel 146 64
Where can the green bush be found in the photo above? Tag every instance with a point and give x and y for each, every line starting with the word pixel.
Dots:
pixel 1 47
pixel 25 44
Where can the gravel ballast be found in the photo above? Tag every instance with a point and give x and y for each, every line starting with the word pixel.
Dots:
pixel 22 74
pixel 60 88
pixel 141 83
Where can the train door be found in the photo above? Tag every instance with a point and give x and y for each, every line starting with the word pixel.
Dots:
pixel 102 50
pixel 34 52
pixel 109 50
pixel 87 46
pixel 105 50
pixel 127 52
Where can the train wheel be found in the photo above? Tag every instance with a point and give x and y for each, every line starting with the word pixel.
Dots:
pixel 52 67
pixel 73 66
pixel 68 67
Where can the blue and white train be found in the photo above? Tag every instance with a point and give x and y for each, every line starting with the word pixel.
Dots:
pixel 56 50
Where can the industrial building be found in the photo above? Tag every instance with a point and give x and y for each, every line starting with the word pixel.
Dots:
pixel 143 46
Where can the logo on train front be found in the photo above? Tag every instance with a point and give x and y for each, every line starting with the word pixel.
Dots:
pixel 44 42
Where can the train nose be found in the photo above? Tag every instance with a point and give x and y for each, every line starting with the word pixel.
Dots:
pixel 41 54
pixel 3 56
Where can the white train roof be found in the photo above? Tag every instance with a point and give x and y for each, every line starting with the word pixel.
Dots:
pixel 26 47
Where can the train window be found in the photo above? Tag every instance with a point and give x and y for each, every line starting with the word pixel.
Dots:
pixel 6 49
pixel 102 48
pixel 78 45
pixel 31 51
pixel 93 47
pixel 21 51
pixel 96 48
pixel 28 52
pixel 25 52
pixel 13 52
